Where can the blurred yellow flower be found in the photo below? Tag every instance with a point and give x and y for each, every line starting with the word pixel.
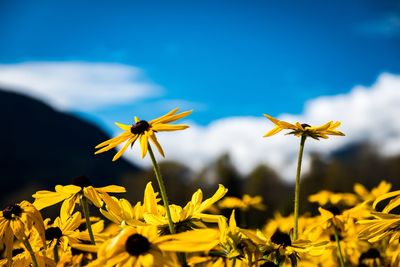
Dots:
pixel 382 225
pixel 327 197
pixel 144 131
pixel 143 247
pixel 244 204
pixel 18 220
pixel 302 129
pixel 70 195
pixel 189 217
pixel 121 212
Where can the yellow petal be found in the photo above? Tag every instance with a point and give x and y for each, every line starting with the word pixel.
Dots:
pixel 144 144
pixel 124 127
pixel 170 113
pixel 47 198
pixel 154 140
pixel 90 193
pixel 169 127
pixel 122 150
pixel 175 117
pixel 274 131
pixel 112 189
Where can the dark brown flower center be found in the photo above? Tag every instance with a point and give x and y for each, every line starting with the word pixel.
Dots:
pixel 17 251
pixel 140 127
pixel 137 245
pixel 81 181
pixel 53 233
pixel 280 238
pixel 304 125
pixel 372 253
pixel 334 210
pixel 269 264
pixel 12 210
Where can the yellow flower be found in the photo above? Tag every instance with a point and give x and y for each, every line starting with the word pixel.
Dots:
pixel 16 220
pixel 244 204
pixel 121 212
pixel 22 258
pixel 393 203
pixel 65 231
pixel 368 196
pixel 325 197
pixel 233 247
pixel 144 131
pixel 280 248
pixel 302 129
pixel 70 195
pixel 381 226
pixel 189 217
pixel 142 246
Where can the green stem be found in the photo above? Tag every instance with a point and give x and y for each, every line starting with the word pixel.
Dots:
pixel 297 187
pixel 29 248
pixel 162 190
pixel 339 249
pixel 55 253
pixel 85 209
pixel 156 168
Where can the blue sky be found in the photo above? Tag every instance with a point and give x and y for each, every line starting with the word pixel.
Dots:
pixel 229 61
pixel 225 58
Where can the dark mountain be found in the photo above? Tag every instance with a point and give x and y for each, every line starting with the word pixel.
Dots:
pixel 41 147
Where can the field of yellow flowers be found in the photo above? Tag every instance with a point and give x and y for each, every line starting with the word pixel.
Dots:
pixel 351 229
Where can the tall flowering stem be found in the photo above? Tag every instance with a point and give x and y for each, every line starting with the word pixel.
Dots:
pixel 85 209
pixel 339 249
pixel 297 187
pixel 161 185
pixel 30 250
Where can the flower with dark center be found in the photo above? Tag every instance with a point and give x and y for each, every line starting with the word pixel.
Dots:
pixel 140 127
pixel 16 221
pixel 303 129
pixel 137 244
pixel 81 181
pixel 144 132
pixel 11 210
pixel 53 233
pixel 281 238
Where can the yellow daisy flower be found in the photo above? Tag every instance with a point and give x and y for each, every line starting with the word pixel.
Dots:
pixel 244 204
pixel 70 195
pixel 16 220
pixel 381 226
pixel 144 131
pixel 302 129
pixel 121 212
pixel 142 247
pixel 189 217
pixel 280 248
pixel 22 258
pixel 233 248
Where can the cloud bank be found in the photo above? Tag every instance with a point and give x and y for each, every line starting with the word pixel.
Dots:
pixel 78 86
pixel 367 114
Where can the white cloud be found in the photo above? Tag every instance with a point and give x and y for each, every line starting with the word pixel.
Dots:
pixel 367 114
pixel 77 85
